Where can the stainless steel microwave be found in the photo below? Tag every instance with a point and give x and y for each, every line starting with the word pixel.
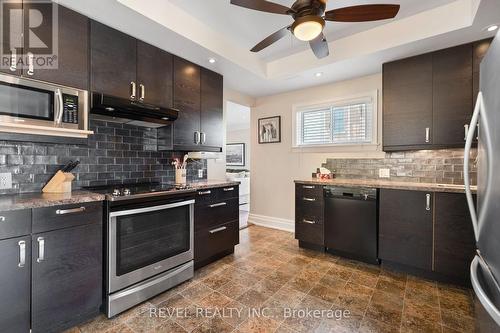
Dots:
pixel 28 103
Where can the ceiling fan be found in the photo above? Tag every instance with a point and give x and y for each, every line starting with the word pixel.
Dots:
pixel 309 20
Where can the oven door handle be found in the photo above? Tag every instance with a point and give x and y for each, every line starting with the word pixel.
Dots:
pixel 151 209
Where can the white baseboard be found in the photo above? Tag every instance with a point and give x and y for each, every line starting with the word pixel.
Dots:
pixel 272 222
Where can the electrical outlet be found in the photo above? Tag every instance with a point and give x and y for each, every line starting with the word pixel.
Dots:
pixel 384 173
pixel 200 173
pixel 5 181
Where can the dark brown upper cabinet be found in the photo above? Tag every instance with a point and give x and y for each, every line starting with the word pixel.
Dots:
pixel 198 97
pixel 452 97
pixel 187 99
pixel 428 99
pixel 212 128
pixel 113 62
pixel 407 95
pixel 71 47
pixel 405 228
pixel 154 75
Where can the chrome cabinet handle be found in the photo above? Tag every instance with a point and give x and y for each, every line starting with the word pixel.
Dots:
pixel 41 249
pixel 427 134
pixel 228 189
pixel 203 138
pixel 2 218
pixel 31 64
pixel 466 131
pixel 22 253
pixel 70 211
pixel 217 230
pixel 427 201
pixel 13 61
pixel 218 205
pixel 309 199
pixel 197 137
pixel 309 221
pixel 308 187
pixel 205 192
pixel 133 87
pixel 142 90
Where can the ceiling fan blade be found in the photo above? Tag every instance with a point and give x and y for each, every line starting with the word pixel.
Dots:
pixel 362 13
pixel 270 40
pixel 319 46
pixel 263 6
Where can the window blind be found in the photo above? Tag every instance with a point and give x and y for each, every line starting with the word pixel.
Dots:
pixel 345 123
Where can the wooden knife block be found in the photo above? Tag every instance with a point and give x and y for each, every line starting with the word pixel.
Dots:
pixel 60 183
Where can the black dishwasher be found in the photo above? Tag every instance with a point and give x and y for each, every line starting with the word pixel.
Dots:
pixel 351 222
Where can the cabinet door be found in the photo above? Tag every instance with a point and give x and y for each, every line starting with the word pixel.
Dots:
pixel 67 278
pixel 187 101
pixel 113 61
pixel 154 72
pixel 11 49
pixel 405 228
pixel 72 52
pixel 479 49
pixel 15 285
pixel 211 108
pixel 452 97
pixel 454 244
pixel 407 90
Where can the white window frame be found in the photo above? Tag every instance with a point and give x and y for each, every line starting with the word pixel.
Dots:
pixel 373 95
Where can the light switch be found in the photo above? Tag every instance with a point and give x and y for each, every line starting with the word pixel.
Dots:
pixel 5 181
pixel 384 173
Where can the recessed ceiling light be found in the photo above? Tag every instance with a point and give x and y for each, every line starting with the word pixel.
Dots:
pixel 492 27
pixel 318 74
pixel 211 60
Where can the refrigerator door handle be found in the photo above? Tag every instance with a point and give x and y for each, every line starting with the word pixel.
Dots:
pixel 480 293
pixel 468 146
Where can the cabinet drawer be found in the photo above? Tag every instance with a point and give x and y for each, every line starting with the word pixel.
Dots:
pixel 207 215
pixel 211 241
pixel 59 217
pixel 205 196
pixel 309 191
pixel 309 232
pixel 228 192
pixel 15 223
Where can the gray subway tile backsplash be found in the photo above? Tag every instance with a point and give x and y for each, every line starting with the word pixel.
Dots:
pixel 116 153
pixel 424 166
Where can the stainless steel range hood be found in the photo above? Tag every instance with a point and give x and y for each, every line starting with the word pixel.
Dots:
pixel 134 112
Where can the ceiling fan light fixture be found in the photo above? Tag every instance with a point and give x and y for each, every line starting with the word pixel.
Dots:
pixel 307 28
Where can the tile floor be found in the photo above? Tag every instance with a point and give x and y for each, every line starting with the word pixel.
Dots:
pixel 268 271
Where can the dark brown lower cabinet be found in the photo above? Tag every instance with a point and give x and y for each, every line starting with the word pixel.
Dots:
pixel 67 281
pixel 15 280
pixel 454 244
pixel 309 216
pixel 405 228
pixel 216 224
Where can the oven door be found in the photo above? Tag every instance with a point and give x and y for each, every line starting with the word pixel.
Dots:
pixel 144 242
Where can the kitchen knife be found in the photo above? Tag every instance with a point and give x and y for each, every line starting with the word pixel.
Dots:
pixel 65 168
pixel 73 166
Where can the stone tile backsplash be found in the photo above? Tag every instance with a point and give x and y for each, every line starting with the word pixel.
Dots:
pixel 423 166
pixel 116 153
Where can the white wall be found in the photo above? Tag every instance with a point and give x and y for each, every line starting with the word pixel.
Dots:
pixel 216 168
pixel 275 166
pixel 240 136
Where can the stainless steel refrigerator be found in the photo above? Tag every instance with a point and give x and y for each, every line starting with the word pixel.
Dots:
pixel 485 268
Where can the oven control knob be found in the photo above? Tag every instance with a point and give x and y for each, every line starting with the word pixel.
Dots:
pixel 116 192
pixel 126 191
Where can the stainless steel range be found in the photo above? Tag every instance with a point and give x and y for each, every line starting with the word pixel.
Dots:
pixel 149 241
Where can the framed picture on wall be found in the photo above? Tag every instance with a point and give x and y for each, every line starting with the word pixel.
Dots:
pixel 235 154
pixel 270 130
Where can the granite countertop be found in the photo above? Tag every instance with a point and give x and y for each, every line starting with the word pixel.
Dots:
pixel 10 202
pixel 199 185
pixel 431 187
pixel 39 200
